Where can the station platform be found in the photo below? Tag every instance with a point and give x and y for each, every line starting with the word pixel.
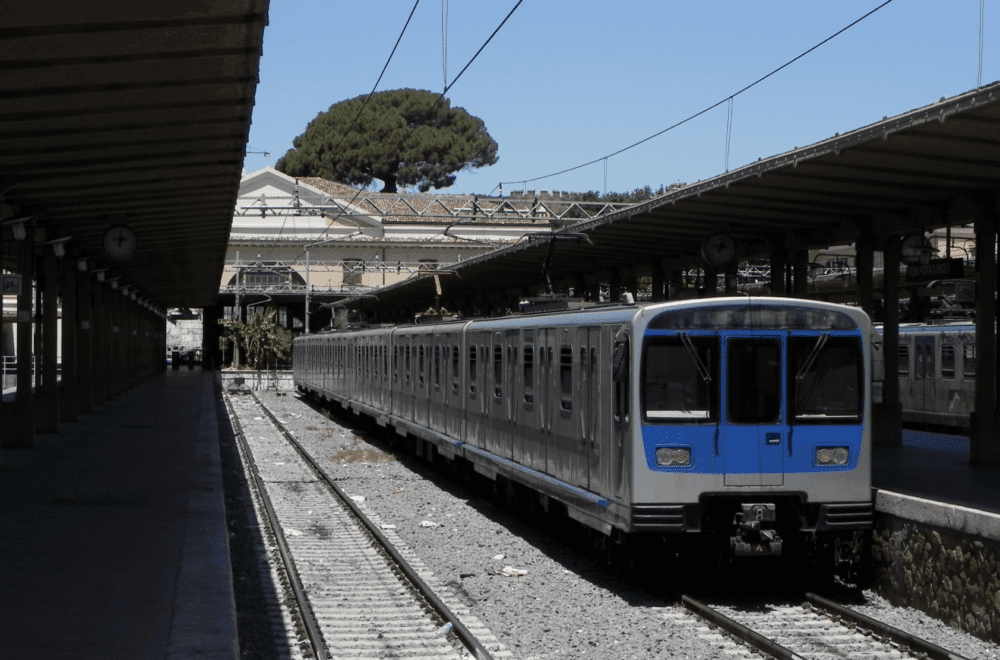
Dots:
pixel 113 539
pixel 935 466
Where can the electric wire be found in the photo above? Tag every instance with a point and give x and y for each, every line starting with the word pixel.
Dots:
pixel 711 107
pixel 982 12
pixel 374 87
pixel 444 40
pixel 431 109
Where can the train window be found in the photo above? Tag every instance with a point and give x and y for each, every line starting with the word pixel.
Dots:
pixel 754 381
pixel 456 359
pixel 472 369
pixel 824 380
pixel 969 361
pixel 528 367
pixel 498 371
pixel 566 377
pixel 947 361
pixel 395 363
pixel 437 366
pixel 420 367
pixel 904 359
pixel 406 364
pixel 678 379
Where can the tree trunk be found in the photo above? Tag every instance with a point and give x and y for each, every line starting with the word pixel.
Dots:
pixel 390 183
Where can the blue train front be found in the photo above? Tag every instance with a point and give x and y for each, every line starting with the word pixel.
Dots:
pixel 754 419
pixel 745 419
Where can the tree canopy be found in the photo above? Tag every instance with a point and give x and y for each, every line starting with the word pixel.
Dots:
pixel 404 137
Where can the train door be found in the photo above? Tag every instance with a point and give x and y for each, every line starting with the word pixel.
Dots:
pixel 456 404
pixel 495 413
pixel 587 459
pixel 753 429
pixel 439 389
pixel 529 400
pixel 924 373
pixel 510 405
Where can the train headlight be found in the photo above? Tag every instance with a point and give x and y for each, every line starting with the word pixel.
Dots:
pixel 832 455
pixel 673 456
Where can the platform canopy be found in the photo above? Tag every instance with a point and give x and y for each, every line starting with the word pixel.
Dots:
pixel 927 168
pixel 129 113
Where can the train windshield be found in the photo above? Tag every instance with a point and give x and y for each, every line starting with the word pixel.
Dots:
pixel 824 379
pixel 679 379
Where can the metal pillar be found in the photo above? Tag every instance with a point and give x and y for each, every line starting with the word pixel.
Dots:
pixel 20 429
pixel 800 270
pixel 888 415
pixel 865 267
pixel 109 334
pixel 84 347
pixel 47 399
pixel 68 390
pixel 984 442
pixel 778 260
pixel 732 275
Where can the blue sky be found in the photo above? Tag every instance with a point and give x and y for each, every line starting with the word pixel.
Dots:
pixel 564 83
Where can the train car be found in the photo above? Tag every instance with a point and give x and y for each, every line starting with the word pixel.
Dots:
pixel 745 419
pixel 937 373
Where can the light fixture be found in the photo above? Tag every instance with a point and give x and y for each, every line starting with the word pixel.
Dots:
pixel 59 245
pixel 100 273
pixel 114 282
pixel 132 295
pixel 17 225
pixel 124 288
pixel 82 265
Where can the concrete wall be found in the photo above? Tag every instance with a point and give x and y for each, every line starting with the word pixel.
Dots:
pixel 941 559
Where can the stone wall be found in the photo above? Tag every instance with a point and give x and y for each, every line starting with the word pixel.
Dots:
pixel 941 559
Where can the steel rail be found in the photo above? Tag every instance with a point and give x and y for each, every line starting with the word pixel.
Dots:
pixel 895 634
pixel 751 637
pixel 308 619
pixel 464 635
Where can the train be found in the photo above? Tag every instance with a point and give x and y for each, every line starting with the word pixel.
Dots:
pixel 745 420
pixel 937 373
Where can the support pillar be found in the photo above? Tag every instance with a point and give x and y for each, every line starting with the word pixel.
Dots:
pixel 710 286
pixel 20 424
pixel 658 282
pixel 210 333
pixel 110 332
pixel 732 277
pixel 778 260
pixel 84 346
pixel 865 267
pixel 68 390
pixel 887 423
pixel 984 443
pixel 800 273
pixel 47 400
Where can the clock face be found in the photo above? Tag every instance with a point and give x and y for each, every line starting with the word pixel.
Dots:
pixel 913 248
pixel 718 249
pixel 120 243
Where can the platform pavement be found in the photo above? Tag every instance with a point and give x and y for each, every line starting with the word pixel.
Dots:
pixel 113 540
pixel 935 466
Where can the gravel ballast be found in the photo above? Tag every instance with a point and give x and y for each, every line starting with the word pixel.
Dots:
pixel 564 604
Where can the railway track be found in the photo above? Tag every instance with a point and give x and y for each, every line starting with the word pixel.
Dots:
pixel 360 593
pixel 817 629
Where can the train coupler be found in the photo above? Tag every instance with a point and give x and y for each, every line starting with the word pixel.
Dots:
pixel 752 538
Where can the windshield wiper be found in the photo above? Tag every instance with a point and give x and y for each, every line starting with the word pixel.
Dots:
pixel 813 354
pixel 693 352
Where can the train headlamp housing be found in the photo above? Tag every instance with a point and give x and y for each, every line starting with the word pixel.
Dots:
pixel 832 456
pixel 673 456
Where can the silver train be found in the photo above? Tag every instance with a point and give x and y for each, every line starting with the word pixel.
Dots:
pixel 937 373
pixel 745 419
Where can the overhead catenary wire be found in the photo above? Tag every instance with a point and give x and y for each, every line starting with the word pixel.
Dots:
pixel 374 87
pixel 435 105
pixel 709 108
